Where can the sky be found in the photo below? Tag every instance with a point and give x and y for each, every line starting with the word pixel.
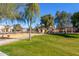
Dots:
pixel 52 8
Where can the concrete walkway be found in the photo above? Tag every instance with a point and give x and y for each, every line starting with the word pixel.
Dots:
pixel 3 54
pixel 8 41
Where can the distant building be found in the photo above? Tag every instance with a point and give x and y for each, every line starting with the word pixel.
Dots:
pixel 6 29
pixel 2 29
pixel 24 30
pixel 10 29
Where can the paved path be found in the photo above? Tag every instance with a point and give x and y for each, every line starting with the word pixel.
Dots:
pixel 3 54
pixel 8 41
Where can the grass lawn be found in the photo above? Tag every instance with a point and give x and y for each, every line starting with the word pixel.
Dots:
pixel 44 45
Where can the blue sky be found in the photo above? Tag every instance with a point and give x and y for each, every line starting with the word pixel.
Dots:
pixel 51 8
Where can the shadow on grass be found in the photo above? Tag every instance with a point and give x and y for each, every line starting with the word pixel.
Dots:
pixel 68 35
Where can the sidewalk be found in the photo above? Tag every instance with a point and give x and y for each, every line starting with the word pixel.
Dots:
pixel 8 41
pixel 3 54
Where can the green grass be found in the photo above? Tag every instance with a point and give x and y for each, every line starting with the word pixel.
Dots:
pixel 45 45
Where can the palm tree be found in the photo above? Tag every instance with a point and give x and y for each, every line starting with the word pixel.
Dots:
pixel 31 12
pixel 9 11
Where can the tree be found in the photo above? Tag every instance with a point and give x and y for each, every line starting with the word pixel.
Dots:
pixel 75 20
pixel 62 18
pixel 8 10
pixel 17 27
pixel 47 21
pixel 68 25
pixel 57 20
pixel 31 12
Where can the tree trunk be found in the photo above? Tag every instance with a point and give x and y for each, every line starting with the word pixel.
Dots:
pixel 66 30
pixel 29 30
